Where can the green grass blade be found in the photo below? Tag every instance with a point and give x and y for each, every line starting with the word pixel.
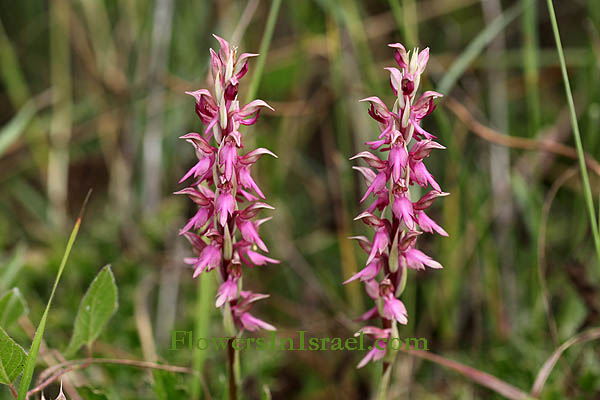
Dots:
pixel 476 47
pixel 575 126
pixel 406 18
pixel 39 333
pixel 16 126
pixel 264 49
pixel 10 270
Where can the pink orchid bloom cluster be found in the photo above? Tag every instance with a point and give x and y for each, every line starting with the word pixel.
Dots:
pixel 222 187
pixel 389 179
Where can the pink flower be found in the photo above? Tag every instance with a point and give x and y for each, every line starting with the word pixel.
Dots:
pixel 227 157
pixel 227 291
pixel 394 309
pixel 225 205
pixel 367 273
pixel 225 224
pixel 251 257
pixel 209 258
pixel 243 318
pixel 378 349
pixel 398 160
pixel 421 176
pixel 251 323
pixel 249 232
pixel 375 354
pixel 380 242
pixel 393 248
pixel 429 225
pixel 403 210
pixel 416 259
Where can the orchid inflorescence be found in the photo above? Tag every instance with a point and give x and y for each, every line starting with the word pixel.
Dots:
pixel 392 250
pixel 227 196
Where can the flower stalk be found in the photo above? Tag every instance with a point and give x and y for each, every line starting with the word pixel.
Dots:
pixel 224 231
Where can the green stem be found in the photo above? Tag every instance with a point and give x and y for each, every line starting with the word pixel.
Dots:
pixel 204 309
pixel 264 49
pixel 575 126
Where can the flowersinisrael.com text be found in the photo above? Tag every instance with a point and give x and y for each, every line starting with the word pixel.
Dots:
pixel 185 340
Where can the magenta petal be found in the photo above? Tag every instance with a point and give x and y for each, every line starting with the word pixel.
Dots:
pixel 398 159
pixel 251 323
pixel 374 354
pixel 228 157
pixel 367 273
pixel 377 185
pixel 429 225
pixel 394 309
pixel 259 259
pixel 403 210
pixel 227 291
pixel 247 181
pixel 250 233
pixel 225 205
pixel 417 258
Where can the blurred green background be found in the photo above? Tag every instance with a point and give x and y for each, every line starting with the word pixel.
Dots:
pixel 92 97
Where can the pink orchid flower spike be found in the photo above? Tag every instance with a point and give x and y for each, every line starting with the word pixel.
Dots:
pixel 224 230
pixel 396 216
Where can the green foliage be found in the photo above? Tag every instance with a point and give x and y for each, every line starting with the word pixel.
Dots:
pixel 167 386
pixel 12 307
pixel 11 131
pixel 96 308
pixel 485 309
pixel 89 393
pixel 12 359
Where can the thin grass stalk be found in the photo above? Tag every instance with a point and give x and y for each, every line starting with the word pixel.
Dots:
pixel 344 144
pixel 204 309
pixel 60 126
pixel 264 50
pixel 475 48
pixel 411 22
pixel 587 189
pixel 153 146
pixel 39 333
pixel 530 63
pixel 499 159
pixel 406 19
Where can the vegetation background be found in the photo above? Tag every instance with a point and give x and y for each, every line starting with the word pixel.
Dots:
pixel 92 96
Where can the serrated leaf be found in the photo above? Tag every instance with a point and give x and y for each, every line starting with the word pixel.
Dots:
pixel 12 307
pixel 96 308
pixel 12 359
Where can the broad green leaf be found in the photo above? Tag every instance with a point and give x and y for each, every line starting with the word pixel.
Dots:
pixel 12 359
pixel 12 307
pixel 96 308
